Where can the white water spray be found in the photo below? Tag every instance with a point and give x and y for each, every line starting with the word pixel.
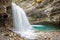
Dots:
pixel 20 19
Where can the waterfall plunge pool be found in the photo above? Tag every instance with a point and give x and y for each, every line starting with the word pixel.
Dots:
pixel 43 27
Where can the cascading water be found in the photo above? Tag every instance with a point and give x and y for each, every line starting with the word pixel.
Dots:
pixel 21 23
pixel 20 19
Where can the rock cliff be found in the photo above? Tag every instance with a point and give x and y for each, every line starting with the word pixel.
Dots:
pixel 5 13
pixel 41 10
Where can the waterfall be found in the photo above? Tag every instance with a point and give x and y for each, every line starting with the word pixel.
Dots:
pixel 21 23
pixel 20 19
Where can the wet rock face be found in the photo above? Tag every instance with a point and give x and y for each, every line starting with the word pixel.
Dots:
pixel 44 7
pixel 50 7
pixel 5 13
pixel 56 6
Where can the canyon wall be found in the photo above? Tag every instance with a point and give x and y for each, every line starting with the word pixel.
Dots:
pixel 5 13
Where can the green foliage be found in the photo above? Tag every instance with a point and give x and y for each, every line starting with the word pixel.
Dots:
pixel 14 0
pixel 17 0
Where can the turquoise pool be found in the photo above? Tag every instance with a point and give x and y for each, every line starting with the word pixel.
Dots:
pixel 43 27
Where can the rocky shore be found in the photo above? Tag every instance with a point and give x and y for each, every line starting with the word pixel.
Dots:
pixel 6 34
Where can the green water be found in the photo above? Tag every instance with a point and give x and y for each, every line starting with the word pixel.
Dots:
pixel 43 27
